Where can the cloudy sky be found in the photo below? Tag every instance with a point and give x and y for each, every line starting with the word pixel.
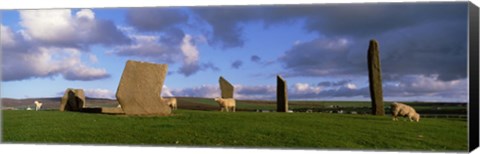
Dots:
pixel 319 49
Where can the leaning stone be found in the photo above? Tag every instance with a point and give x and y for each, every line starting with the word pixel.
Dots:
pixel 375 78
pixel 73 100
pixel 282 95
pixel 140 87
pixel 226 88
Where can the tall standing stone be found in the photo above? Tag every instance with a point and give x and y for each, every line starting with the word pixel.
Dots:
pixel 139 90
pixel 73 100
pixel 282 95
pixel 226 88
pixel 375 78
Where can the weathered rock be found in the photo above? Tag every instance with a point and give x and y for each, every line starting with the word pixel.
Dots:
pixel 375 79
pixel 226 88
pixel 73 100
pixel 282 95
pixel 139 89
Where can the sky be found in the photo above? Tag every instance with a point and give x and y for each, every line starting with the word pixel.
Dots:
pixel 319 49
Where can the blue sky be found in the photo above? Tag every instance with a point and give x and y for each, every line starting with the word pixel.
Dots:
pixel 319 49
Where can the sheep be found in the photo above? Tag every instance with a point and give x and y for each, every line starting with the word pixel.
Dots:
pixel 227 104
pixel 399 109
pixel 38 105
pixel 172 102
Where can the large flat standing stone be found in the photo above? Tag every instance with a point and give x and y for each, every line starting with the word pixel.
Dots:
pixel 140 87
pixel 282 95
pixel 73 100
pixel 375 79
pixel 226 88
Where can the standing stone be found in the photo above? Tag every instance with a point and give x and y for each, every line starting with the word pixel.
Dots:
pixel 375 79
pixel 282 95
pixel 226 88
pixel 73 100
pixel 139 89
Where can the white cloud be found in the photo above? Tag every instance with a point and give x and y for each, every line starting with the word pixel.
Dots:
pixel 189 50
pixel 351 86
pixel 31 61
pixel 306 88
pixel 86 13
pixel 418 85
pixel 99 93
pixel 7 36
pixel 255 92
pixel 166 92
pixel 59 28
pixel 48 25
pixel 172 47
pixel 206 91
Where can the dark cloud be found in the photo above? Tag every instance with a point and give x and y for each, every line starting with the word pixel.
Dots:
pixel 255 59
pixel 155 19
pixel 105 32
pixel 436 48
pixel 164 48
pixel 332 20
pixel 370 20
pixel 236 64
pixel 320 57
pixel 193 68
pixel 211 66
pixel 225 23
pixel 189 69
pixel 256 90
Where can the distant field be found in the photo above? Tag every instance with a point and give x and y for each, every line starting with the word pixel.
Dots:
pixel 240 129
pixel 207 104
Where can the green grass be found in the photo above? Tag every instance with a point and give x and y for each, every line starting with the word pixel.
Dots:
pixel 240 129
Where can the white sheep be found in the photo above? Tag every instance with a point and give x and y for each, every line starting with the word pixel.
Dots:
pixel 399 109
pixel 172 102
pixel 227 104
pixel 38 105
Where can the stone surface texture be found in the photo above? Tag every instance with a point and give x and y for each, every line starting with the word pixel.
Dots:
pixel 226 88
pixel 73 100
pixel 139 89
pixel 375 79
pixel 282 95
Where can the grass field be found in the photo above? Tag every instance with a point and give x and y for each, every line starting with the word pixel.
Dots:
pixel 239 129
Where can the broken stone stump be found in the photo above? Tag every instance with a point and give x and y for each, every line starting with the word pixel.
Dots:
pixel 375 78
pixel 226 88
pixel 282 95
pixel 140 87
pixel 73 100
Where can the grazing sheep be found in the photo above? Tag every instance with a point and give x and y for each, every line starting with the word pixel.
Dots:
pixel 227 104
pixel 399 109
pixel 172 102
pixel 38 105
